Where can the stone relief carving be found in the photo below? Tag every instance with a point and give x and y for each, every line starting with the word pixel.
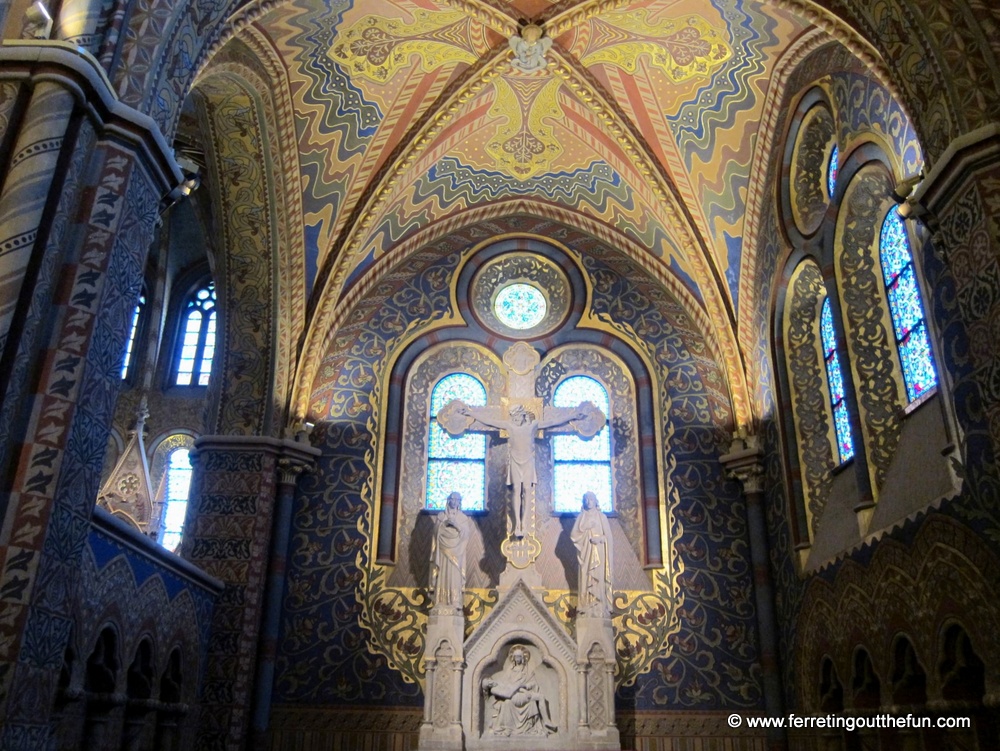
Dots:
pixel 529 49
pixel 519 707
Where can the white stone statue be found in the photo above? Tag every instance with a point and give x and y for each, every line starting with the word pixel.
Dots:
pixel 592 537
pixel 519 707
pixel 521 429
pixel 529 49
pixel 452 532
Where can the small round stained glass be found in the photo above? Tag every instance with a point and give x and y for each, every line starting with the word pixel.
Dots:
pixel 520 306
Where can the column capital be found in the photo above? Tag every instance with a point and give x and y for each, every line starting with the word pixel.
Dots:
pixel 294 455
pixel 743 461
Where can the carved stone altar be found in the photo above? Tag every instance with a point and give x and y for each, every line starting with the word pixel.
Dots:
pixel 520 680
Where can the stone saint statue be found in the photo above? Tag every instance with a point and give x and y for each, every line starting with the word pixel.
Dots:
pixel 519 708
pixel 529 49
pixel 592 537
pixel 521 430
pixel 451 537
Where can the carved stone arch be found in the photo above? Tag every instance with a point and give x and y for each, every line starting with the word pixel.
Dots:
pixel 866 683
pixel 830 695
pixel 907 675
pixel 103 672
pixel 233 117
pixel 960 669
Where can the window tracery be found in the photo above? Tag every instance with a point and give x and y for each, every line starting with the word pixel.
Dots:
pixel 196 344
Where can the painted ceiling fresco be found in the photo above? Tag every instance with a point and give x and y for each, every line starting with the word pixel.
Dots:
pixel 645 118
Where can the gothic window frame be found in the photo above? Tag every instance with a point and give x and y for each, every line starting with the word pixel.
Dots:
pixel 192 302
pixel 436 501
pixel 920 361
pixel 564 443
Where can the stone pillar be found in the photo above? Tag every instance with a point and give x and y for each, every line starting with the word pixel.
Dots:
pixel 441 728
pixel 228 533
pixel 296 458
pixel 106 172
pixel 957 201
pixel 743 463
pixel 595 656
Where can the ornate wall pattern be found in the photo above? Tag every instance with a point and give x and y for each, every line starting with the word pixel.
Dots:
pixel 944 574
pixel 227 535
pixel 708 559
pixel 64 449
pixel 871 342
pixel 810 157
pixel 809 392
pixel 705 517
pixel 241 175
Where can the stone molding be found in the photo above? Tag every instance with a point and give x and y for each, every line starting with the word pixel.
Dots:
pixel 32 61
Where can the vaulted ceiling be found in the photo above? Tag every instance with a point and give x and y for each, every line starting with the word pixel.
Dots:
pixel 408 111
pixel 644 127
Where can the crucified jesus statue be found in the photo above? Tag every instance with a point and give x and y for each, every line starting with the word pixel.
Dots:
pixel 522 427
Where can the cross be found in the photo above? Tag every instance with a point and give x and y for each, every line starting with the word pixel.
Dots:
pixel 521 418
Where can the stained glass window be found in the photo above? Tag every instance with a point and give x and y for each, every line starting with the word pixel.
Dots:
pixel 831 171
pixel 580 465
pixel 456 464
pixel 520 306
pixel 197 340
pixel 834 377
pixel 133 330
pixel 905 306
pixel 178 486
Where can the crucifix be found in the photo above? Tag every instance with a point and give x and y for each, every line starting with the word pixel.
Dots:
pixel 521 419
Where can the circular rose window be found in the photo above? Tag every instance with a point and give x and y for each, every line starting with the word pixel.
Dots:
pixel 520 295
pixel 520 306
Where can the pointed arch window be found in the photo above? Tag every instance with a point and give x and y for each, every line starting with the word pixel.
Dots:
pixel 456 464
pixel 580 465
pixel 906 307
pixel 835 380
pixel 179 473
pixel 128 363
pixel 193 362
